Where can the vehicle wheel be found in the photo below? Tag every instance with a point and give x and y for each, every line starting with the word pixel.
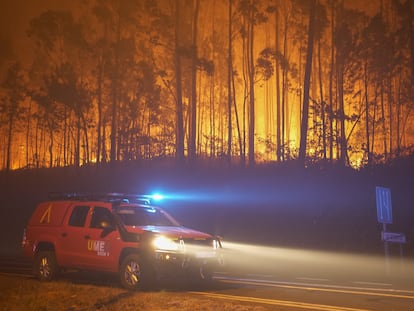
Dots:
pixel 45 266
pixel 134 274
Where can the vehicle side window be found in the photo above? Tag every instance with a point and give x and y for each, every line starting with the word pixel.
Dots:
pixel 101 218
pixel 78 217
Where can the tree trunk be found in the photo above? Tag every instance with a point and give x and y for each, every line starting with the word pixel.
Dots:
pixel 398 117
pixel 250 65
pixel 306 85
pixel 285 124
pixel 99 123
pixel 331 77
pixel 86 141
pixel 322 116
pixel 114 112
pixel 343 156
pixel 229 85
pixel 384 127
pixel 28 126
pixel 193 107
pixel 51 137
pixel 277 78
pixel 9 141
pixel 77 142
pixel 179 104
pixel 374 117
pixel 236 114
pixel 367 129
pixel 390 114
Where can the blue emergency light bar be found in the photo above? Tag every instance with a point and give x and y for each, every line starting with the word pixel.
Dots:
pixel 157 197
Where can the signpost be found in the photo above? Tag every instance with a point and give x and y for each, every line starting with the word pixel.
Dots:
pixel 393 237
pixel 384 216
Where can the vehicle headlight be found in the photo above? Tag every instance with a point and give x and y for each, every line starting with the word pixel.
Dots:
pixel 217 243
pixel 164 243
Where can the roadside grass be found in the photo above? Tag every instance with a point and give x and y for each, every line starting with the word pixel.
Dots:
pixel 23 293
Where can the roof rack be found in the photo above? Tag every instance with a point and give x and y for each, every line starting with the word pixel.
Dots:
pixel 106 197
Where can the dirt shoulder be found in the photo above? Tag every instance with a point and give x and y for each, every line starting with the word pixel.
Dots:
pixel 24 293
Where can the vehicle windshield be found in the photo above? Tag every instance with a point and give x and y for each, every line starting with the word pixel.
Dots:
pixel 145 216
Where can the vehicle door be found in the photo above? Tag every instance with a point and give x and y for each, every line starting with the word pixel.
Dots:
pixel 103 240
pixel 73 242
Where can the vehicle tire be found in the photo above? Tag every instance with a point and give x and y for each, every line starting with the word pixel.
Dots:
pixel 135 274
pixel 45 267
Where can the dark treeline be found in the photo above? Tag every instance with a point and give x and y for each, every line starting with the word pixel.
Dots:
pixel 283 205
pixel 238 80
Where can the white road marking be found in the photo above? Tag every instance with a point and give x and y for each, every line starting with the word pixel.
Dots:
pixel 372 283
pixel 261 275
pixel 367 291
pixel 284 303
pixel 312 279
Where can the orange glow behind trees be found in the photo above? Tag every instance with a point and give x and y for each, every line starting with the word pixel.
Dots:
pixel 128 80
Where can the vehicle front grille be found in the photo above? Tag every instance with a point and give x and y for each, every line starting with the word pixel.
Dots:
pixel 198 242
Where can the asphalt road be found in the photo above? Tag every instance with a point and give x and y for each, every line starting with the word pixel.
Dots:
pixel 315 294
pixel 319 280
pixel 295 284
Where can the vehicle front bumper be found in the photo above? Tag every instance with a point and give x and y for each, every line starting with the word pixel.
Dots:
pixel 183 264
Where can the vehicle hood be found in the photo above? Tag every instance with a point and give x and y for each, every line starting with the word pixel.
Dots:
pixel 171 232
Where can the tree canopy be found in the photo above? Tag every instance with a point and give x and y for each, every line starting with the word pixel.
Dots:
pixel 242 80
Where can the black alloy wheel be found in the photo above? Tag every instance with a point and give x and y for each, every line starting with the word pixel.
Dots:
pixel 45 266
